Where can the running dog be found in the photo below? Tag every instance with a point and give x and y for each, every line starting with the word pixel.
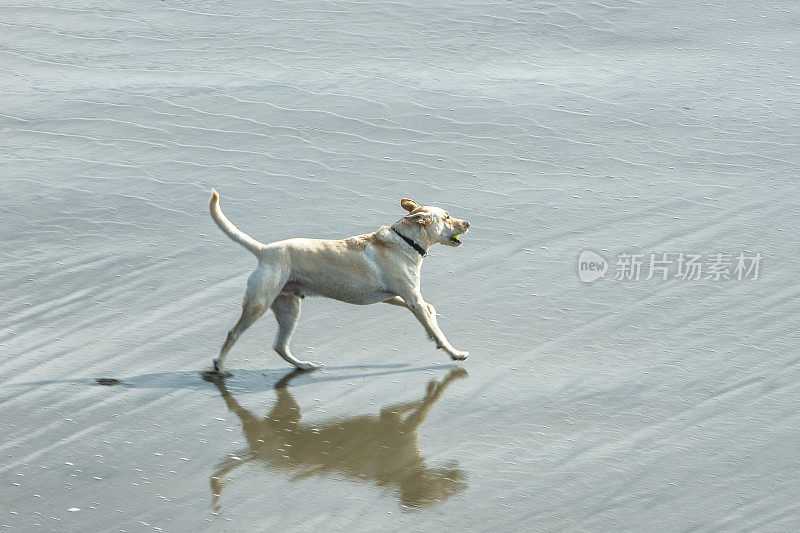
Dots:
pixel 377 267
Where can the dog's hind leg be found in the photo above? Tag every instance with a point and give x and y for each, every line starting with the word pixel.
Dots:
pixel 287 311
pixel 263 285
pixel 251 312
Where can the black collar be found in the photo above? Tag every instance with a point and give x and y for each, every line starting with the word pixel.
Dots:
pixel 411 243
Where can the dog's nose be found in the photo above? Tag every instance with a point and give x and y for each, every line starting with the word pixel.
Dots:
pixel 467 223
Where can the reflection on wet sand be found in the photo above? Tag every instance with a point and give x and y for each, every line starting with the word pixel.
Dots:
pixel 379 449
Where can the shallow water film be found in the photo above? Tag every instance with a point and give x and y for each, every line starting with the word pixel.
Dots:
pixel 628 289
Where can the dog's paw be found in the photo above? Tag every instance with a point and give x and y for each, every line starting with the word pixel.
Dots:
pixel 219 370
pixel 459 356
pixel 307 365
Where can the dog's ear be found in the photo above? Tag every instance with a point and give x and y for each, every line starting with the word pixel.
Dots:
pixel 409 205
pixel 423 219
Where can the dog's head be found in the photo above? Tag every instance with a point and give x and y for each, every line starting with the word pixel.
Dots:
pixel 434 224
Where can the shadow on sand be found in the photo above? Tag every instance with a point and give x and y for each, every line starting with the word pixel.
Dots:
pixel 379 449
pixel 247 381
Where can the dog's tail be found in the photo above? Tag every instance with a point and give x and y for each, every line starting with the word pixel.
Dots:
pixel 230 230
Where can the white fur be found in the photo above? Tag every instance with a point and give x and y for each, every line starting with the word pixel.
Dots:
pixel 365 269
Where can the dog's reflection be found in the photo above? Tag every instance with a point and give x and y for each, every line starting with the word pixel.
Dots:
pixel 381 449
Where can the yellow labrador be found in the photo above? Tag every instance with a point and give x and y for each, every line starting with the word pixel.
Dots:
pixel 366 269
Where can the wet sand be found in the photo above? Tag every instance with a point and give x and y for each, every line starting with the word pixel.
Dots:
pixel 635 128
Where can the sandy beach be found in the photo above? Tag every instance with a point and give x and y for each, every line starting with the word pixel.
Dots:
pixel 629 130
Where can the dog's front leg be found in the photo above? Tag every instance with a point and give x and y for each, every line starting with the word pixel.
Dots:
pixel 426 315
pixel 396 300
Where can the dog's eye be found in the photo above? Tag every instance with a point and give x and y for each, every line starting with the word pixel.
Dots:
pixel 446 214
